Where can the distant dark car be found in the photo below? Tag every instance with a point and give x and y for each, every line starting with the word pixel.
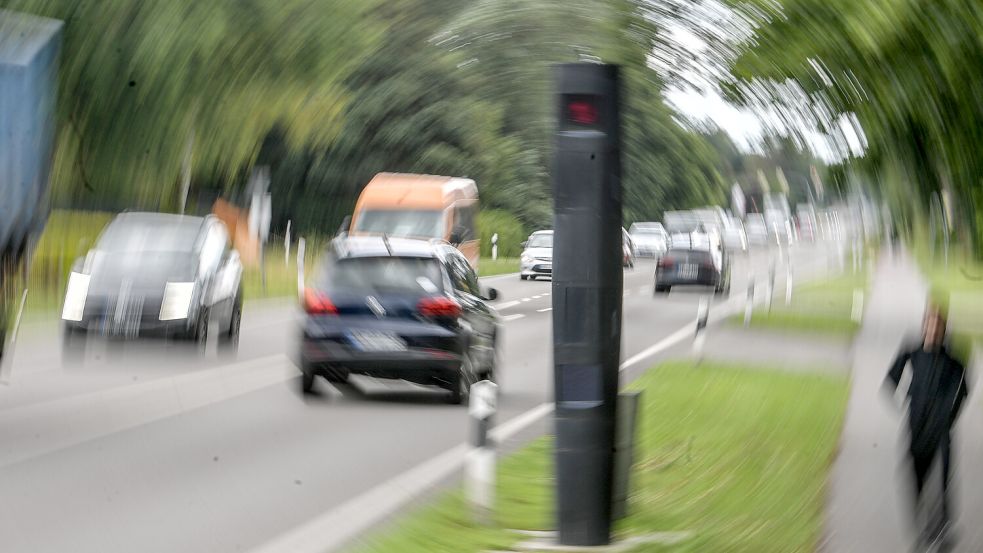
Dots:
pixel 400 309
pixel 693 266
pixel 155 274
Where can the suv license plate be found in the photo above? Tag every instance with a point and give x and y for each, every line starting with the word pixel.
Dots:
pixel 687 270
pixel 377 341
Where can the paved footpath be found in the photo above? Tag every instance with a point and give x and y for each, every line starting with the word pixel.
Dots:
pixel 868 506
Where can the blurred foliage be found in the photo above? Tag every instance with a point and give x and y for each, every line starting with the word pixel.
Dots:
pixel 328 93
pixel 511 232
pixel 907 70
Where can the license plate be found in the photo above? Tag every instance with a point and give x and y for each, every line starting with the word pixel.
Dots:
pixel 377 341
pixel 687 270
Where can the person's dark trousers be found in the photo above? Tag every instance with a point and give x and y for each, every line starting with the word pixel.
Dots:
pixel 931 492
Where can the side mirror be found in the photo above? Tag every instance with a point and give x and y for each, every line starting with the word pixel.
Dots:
pixel 78 264
pixel 345 223
pixel 492 294
pixel 524 243
pixel 456 237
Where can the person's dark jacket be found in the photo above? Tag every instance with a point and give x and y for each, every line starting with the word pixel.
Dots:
pixel 936 394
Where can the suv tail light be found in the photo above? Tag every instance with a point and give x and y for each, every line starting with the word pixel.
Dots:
pixel 439 307
pixel 317 303
pixel 666 262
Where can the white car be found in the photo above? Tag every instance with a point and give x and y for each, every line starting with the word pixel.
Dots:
pixel 734 237
pixel 537 256
pixel 650 239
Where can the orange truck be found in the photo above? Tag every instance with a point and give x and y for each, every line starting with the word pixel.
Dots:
pixel 420 206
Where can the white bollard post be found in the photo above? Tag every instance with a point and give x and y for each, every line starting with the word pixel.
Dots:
pixel 771 286
pixel 699 339
pixel 749 303
pixel 858 305
pixel 7 367
pixel 286 246
pixel 301 246
pixel 479 469
pixel 788 284
pixel 494 241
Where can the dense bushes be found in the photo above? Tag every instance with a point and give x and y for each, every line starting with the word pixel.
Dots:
pixel 510 231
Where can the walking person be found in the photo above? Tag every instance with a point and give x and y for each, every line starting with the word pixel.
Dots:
pixel 935 394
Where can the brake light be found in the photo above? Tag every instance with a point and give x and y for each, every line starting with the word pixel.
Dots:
pixel 317 303
pixel 439 307
pixel 666 262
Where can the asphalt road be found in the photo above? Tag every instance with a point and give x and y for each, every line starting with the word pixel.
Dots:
pixel 146 448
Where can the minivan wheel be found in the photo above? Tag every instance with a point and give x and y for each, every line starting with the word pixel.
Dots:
pixel 523 277
pixel 229 342
pixel 307 380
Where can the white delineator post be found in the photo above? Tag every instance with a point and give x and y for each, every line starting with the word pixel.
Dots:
pixel 479 469
pixel 749 302
pixel 699 340
pixel 286 246
pixel 788 284
pixel 858 305
pixel 301 246
pixel 7 367
pixel 494 241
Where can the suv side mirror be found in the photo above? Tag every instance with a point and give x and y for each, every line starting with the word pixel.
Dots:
pixel 492 294
pixel 524 243
pixel 345 223
pixel 456 237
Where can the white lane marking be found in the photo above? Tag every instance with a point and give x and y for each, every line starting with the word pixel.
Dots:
pixel 526 299
pixel 343 523
pixel 626 293
pixel 513 317
pixel 536 297
pixel 507 304
pixel 76 419
pixel 544 310
pixel 497 277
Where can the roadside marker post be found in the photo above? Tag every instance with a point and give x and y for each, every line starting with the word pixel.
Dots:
pixel 703 315
pixel 749 303
pixel 286 246
pixel 858 305
pixel 301 246
pixel 479 468
pixel 494 241
pixel 788 284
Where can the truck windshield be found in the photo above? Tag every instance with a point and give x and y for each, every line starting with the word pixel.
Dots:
pixel 402 222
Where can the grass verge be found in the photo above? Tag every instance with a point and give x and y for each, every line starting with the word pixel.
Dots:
pixel 500 266
pixel 824 306
pixel 737 455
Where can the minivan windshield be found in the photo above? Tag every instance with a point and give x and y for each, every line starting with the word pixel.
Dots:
pixel 414 223
pixel 540 241
pixel 148 236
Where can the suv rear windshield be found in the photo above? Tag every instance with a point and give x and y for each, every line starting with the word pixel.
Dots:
pixel 381 275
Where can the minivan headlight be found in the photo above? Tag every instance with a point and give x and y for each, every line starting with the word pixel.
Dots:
pixel 526 258
pixel 75 293
pixel 177 300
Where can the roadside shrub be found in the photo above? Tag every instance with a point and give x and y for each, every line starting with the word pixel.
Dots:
pixel 510 231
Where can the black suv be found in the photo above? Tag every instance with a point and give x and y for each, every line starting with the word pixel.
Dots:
pixel 400 309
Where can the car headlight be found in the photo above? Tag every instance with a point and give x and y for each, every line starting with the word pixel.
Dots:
pixel 177 300
pixel 526 258
pixel 75 293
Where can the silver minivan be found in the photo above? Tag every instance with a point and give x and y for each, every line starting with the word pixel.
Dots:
pixel 537 256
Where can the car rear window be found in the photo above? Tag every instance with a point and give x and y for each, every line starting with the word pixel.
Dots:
pixel 381 275
pixel 689 256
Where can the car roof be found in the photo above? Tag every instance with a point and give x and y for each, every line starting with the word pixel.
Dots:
pixel 381 246
pixel 154 218
pixel 541 232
